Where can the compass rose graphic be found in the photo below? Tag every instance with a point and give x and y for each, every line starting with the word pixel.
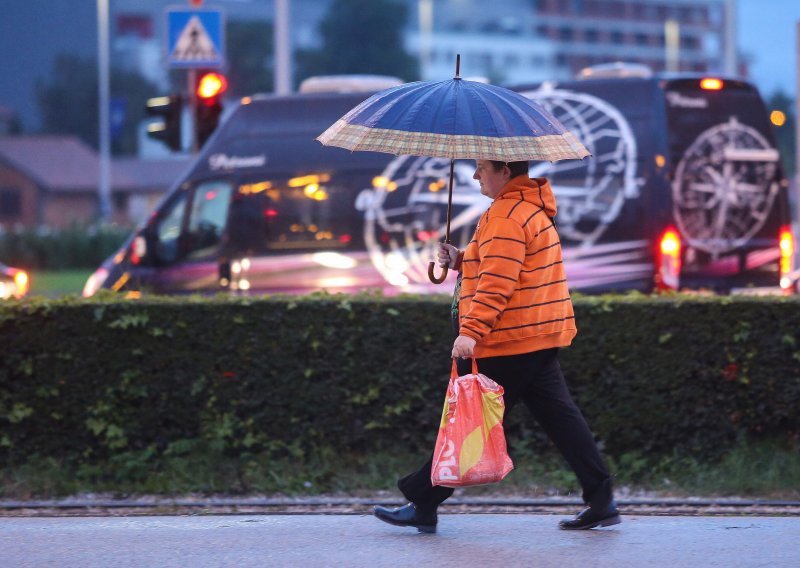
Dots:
pixel 724 187
pixel 405 211
pixel 591 192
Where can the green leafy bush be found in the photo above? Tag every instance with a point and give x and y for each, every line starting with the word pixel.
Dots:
pixel 297 379
pixel 75 247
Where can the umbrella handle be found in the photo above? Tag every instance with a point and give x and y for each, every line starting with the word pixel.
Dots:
pixel 431 267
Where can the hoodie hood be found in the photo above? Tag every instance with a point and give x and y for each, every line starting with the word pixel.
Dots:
pixel 536 191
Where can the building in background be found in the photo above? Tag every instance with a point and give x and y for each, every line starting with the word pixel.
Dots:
pixel 514 41
pixel 531 40
pixel 590 32
pixel 52 181
pixel 499 44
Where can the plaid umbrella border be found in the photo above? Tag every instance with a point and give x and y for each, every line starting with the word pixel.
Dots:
pixel 511 149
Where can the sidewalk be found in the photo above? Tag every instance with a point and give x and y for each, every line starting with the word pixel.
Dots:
pixel 463 541
pixel 652 504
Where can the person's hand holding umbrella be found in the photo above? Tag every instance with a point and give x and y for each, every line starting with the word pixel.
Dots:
pixel 449 256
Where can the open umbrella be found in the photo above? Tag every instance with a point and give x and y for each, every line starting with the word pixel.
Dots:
pixel 455 119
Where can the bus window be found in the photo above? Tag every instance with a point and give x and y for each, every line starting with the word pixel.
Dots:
pixel 207 218
pixel 304 213
pixel 168 230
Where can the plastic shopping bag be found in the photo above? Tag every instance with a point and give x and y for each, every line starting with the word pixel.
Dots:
pixel 471 445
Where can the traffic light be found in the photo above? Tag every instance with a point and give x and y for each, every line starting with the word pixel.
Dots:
pixel 209 89
pixel 168 128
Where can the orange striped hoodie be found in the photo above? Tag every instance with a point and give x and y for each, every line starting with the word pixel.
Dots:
pixel 514 297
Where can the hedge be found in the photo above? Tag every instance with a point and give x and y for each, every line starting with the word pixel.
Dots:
pixel 87 380
pixel 61 249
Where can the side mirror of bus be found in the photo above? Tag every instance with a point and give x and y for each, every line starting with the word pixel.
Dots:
pixel 139 249
pixel 144 246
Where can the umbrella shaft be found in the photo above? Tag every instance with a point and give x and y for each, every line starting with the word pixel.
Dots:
pixel 449 202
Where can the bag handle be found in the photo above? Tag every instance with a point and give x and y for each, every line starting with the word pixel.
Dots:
pixel 454 371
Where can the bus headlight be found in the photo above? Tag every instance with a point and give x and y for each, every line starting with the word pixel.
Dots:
pixel 94 282
pixel 21 282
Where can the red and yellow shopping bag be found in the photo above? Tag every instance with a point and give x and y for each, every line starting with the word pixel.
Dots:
pixel 471 445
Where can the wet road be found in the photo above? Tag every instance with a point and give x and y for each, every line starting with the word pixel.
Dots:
pixel 463 540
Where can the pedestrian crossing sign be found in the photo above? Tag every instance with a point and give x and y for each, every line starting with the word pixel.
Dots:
pixel 195 38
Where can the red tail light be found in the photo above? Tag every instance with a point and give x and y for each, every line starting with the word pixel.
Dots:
pixel 668 260
pixel 786 243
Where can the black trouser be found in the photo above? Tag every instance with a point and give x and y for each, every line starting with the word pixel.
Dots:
pixel 535 379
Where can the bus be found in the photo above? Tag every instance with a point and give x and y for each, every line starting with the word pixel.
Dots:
pixel 684 189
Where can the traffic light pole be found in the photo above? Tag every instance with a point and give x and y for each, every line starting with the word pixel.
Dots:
pixel 192 89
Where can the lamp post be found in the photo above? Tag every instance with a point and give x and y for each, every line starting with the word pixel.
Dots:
pixel 104 182
pixel 283 59
pixel 797 119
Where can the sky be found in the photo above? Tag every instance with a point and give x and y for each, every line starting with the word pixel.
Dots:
pixel 766 31
pixel 32 31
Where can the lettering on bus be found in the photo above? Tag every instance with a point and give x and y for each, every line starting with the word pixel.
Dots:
pixel 682 101
pixel 226 162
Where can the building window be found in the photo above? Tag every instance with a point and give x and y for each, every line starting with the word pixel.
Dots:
pixel 565 34
pixel 592 36
pixel 641 39
pixel 10 202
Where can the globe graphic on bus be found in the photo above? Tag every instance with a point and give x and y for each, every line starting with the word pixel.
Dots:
pixel 405 211
pixel 724 187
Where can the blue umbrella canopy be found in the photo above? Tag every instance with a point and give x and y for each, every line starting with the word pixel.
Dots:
pixel 454 119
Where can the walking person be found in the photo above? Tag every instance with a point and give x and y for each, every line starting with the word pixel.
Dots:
pixel 512 312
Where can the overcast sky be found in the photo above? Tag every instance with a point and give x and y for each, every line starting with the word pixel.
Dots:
pixel 766 30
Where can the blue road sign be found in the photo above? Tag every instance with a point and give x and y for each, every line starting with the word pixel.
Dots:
pixel 195 38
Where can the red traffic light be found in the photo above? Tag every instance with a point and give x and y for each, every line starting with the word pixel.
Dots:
pixel 210 87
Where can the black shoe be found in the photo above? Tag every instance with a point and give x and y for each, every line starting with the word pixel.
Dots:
pixel 408 516
pixel 592 517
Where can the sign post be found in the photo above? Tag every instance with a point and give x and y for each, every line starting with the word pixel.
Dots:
pixel 195 39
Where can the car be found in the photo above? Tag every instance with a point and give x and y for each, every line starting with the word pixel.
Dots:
pixel 13 282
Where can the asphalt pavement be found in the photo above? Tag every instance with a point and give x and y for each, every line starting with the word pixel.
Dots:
pixel 463 540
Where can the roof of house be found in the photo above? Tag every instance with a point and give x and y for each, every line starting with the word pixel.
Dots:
pixel 65 164
pixel 60 163
pixel 137 175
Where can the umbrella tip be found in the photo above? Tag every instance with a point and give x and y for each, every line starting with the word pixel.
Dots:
pixel 458 65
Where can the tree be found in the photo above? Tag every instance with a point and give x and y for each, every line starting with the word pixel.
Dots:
pixel 68 102
pixel 784 134
pixel 360 36
pixel 249 52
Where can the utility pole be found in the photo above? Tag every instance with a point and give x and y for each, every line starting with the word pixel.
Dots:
pixel 283 50
pixel 104 92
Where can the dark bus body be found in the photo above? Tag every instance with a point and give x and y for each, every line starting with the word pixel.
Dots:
pixel 676 163
pixel 686 157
